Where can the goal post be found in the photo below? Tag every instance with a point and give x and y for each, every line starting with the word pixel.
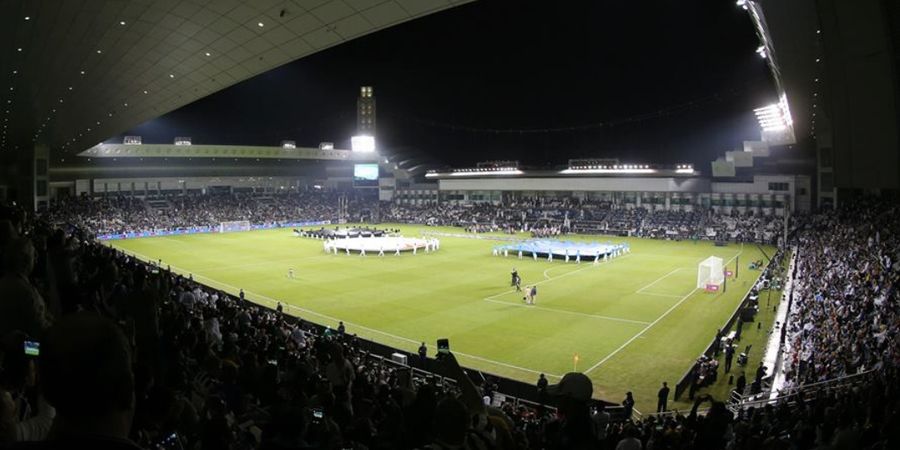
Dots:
pixel 710 272
pixel 234 225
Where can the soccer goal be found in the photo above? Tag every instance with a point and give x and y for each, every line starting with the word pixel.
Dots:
pixel 236 225
pixel 710 272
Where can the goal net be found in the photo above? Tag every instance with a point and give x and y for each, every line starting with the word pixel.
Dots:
pixel 710 272
pixel 236 225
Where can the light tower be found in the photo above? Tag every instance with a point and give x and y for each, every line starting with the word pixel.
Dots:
pixel 365 112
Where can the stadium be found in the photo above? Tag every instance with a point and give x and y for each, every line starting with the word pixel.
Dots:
pixel 563 226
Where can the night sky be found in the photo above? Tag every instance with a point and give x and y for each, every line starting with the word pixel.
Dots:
pixel 645 81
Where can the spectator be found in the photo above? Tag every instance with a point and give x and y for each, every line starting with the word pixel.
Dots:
pixel 630 441
pixel 21 306
pixel 662 398
pixel 628 404
pixel 574 429
pixel 85 368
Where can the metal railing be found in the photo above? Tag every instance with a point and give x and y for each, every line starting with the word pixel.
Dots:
pixel 742 402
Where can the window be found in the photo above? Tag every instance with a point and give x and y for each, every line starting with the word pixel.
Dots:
pixel 40 167
pixel 825 157
pixel 827 182
pixel 778 186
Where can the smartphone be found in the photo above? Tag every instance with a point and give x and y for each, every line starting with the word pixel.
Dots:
pixel 32 348
pixel 443 346
pixel 169 442
pixel 318 414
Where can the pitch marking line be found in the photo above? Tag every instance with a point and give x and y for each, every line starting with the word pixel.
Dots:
pixel 641 290
pixel 661 317
pixel 586 266
pixel 658 295
pixel 563 311
pixel 324 316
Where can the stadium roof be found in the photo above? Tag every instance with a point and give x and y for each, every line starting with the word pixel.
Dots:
pixel 75 72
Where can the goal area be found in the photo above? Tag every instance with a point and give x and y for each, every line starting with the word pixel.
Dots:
pixel 710 272
pixel 236 225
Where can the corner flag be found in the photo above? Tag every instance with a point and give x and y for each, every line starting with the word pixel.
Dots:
pixel 575 363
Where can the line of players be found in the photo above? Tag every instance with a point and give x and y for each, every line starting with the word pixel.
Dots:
pixel 530 291
pixel 431 245
pixel 597 256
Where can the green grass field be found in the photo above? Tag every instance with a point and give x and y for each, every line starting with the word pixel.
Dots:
pixel 634 321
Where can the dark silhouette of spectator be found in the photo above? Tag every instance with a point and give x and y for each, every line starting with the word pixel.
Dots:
pixel 574 428
pixel 662 398
pixel 86 374
pixel 628 403
pixel 741 384
pixel 423 356
pixel 21 305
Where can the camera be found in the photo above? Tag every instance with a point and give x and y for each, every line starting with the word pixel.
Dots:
pixel 443 347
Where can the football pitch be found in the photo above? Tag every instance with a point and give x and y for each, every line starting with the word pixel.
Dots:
pixel 633 322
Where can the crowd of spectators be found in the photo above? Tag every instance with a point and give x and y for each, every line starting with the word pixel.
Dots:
pixel 845 316
pixel 122 214
pixel 133 356
pixel 561 216
pixel 542 217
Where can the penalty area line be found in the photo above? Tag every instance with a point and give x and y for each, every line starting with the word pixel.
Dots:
pixel 334 319
pixel 640 333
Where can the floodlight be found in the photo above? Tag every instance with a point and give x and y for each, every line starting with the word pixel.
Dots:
pixel 362 144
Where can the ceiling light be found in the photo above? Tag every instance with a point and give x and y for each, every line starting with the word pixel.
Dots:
pixel 15 72
pixel 19 49
pixel 70 88
pixel 126 104
pixel 145 92
pixel 260 24
pixel 99 52
pixel 171 75
pixel 121 22
pixel 82 72
pixel 207 54
pixel 27 18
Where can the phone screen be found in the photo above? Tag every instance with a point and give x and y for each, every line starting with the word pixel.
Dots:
pixel 443 346
pixel 32 348
pixel 169 442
